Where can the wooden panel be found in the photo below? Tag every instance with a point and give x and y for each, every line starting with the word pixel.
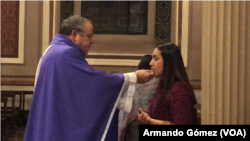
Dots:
pixel 114 57
pixel 31 83
pixel 163 21
pixel 18 82
pixel 9 28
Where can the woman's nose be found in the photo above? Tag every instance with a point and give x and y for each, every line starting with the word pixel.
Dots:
pixel 151 63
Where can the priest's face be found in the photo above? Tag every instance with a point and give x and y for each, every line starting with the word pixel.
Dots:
pixel 84 41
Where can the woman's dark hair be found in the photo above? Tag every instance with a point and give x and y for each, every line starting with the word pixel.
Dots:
pixel 173 70
pixel 144 64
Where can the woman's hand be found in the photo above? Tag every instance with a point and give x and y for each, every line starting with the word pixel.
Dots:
pixel 145 115
pixel 143 118
pixel 145 110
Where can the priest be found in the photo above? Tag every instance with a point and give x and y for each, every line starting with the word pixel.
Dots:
pixel 71 100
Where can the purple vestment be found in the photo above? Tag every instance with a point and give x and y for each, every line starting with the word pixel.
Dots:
pixel 72 101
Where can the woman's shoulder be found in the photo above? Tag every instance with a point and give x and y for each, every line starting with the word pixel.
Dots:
pixel 181 92
pixel 180 87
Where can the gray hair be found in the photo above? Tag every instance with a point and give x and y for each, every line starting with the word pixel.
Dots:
pixel 73 23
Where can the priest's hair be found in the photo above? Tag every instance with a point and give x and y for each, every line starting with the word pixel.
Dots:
pixel 73 23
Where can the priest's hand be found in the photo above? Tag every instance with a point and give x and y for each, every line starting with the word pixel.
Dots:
pixel 144 76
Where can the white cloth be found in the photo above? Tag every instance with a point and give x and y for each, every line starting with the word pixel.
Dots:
pixel 127 93
pixel 125 98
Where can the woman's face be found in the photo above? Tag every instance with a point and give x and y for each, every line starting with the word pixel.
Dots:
pixel 157 63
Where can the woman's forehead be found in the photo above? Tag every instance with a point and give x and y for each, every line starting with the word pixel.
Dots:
pixel 156 52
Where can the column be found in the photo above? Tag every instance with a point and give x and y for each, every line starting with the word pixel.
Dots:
pixel 225 62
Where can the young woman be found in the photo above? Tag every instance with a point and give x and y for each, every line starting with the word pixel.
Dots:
pixel 128 124
pixel 174 99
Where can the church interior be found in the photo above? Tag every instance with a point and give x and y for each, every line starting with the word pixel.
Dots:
pixel 213 36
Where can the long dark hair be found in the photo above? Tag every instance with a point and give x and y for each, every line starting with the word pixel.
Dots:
pixel 173 70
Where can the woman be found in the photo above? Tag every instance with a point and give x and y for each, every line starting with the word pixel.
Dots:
pixel 128 124
pixel 174 99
